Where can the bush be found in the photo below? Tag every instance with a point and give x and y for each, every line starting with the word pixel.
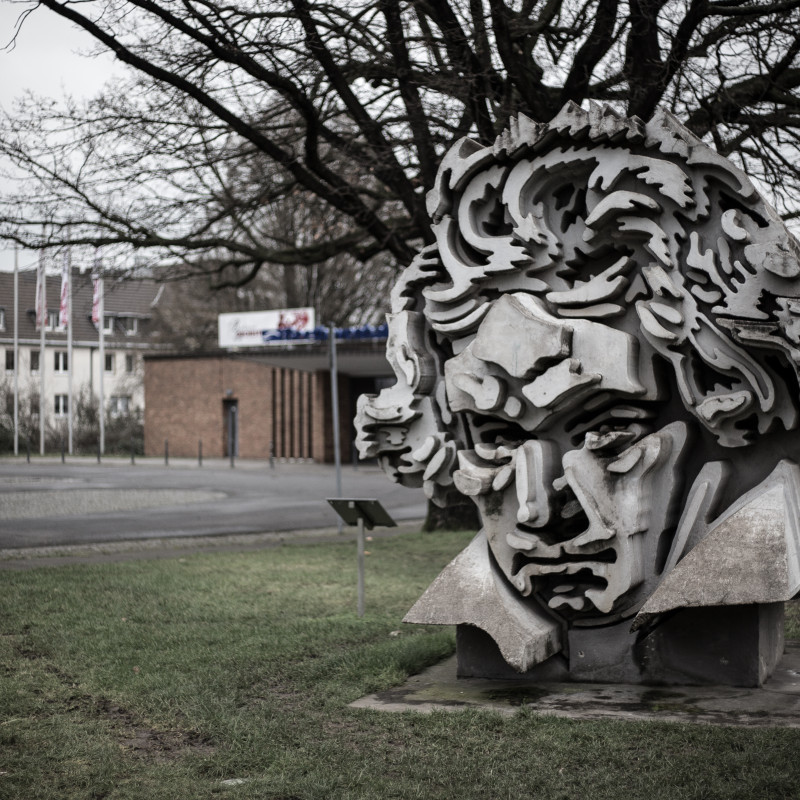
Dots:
pixel 121 431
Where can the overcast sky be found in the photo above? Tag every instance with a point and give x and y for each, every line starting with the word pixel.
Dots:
pixel 49 58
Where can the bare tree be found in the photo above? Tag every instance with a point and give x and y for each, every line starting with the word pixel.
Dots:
pixel 342 290
pixel 235 115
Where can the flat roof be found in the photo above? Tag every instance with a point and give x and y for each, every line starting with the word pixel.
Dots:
pixel 354 357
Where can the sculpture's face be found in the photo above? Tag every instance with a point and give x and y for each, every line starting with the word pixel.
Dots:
pixel 599 289
pixel 572 480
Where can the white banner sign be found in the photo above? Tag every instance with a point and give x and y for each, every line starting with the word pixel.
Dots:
pixel 256 328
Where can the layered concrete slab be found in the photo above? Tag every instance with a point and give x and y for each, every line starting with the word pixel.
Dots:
pixel 776 704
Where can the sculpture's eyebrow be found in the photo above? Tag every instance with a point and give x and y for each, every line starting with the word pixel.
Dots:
pixel 606 285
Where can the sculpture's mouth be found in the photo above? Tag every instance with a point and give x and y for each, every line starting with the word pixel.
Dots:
pixel 566 563
pixel 568 587
pixel 560 562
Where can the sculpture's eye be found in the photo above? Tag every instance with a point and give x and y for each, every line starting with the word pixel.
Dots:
pixel 496 432
pixel 611 428
pixel 609 441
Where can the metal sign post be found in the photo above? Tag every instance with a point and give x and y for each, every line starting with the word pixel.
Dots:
pixel 16 351
pixel 233 432
pixel 337 453
pixel 361 512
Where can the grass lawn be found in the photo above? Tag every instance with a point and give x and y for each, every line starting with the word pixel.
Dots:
pixel 228 675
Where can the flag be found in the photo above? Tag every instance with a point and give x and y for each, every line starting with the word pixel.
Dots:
pixel 63 317
pixel 96 299
pixel 41 296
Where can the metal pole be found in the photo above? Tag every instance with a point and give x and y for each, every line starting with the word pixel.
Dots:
pixel 166 452
pixel 272 455
pixel 133 452
pixel 69 353
pixel 102 323
pixel 16 352
pixel 231 412
pixel 42 354
pixel 199 452
pixel 361 566
pixel 337 454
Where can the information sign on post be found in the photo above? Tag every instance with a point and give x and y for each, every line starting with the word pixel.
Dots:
pixel 364 513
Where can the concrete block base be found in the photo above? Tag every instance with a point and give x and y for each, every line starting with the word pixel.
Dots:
pixel 718 645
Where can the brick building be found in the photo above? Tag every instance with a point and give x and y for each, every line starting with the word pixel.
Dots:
pixel 280 398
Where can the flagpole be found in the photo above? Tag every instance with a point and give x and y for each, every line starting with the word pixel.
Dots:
pixel 68 268
pixel 42 325
pixel 102 326
pixel 16 351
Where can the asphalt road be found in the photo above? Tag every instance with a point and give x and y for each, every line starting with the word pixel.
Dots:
pixel 47 503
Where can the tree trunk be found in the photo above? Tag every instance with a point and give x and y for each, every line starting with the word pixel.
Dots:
pixel 454 517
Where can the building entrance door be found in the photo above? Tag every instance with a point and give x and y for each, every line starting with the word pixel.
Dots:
pixel 230 423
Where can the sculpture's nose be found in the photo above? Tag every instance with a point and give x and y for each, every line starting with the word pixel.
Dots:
pixel 536 467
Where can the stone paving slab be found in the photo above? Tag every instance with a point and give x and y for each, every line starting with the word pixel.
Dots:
pixel 777 704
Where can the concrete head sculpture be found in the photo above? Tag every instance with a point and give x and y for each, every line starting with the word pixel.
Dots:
pixel 602 350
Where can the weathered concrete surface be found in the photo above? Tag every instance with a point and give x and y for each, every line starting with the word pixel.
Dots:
pixel 749 555
pixel 723 645
pixel 776 704
pixel 524 636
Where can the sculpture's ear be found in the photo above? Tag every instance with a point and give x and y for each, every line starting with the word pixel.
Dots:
pixel 407 353
pixel 720 383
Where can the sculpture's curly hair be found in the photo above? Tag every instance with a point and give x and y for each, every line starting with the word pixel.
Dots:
pixel 607 218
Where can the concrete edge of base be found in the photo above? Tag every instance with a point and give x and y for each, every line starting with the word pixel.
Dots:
pixel 776 704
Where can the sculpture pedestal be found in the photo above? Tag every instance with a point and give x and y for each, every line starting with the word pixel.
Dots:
pixel 720 645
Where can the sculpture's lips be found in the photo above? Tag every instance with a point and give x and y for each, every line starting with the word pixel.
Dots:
pixel 592 566
pixel 605 556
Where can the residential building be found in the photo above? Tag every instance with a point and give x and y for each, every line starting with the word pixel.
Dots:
pixel 127 315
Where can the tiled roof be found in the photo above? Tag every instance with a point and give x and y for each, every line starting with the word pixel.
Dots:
pixel 123 298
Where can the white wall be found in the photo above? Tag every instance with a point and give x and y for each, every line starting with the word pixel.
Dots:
pixel 85 372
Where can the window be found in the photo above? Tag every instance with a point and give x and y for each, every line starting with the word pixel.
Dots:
pixel 119 405
pixel 109 365
pixel 108 326
pixel 60 361
pixel 130 325
pixel 62 405
pixel 128 362
pixel 34 360
pixel 9 360
pixel 53 321
pixel 2 319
